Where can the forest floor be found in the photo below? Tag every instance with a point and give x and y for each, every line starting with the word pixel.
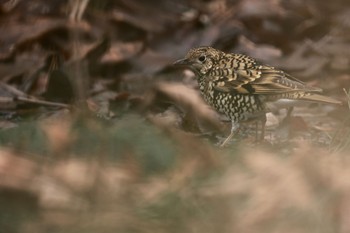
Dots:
pixel 99 132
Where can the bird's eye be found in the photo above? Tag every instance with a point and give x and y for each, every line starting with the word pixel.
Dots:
pixel 202 58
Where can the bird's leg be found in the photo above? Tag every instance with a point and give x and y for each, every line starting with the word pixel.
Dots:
pixel 263 123
pixel 286 119
pixel 262 120
pixel 234 128
pixel 289 112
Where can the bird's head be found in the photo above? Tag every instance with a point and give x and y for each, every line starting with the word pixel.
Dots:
pixel 200 60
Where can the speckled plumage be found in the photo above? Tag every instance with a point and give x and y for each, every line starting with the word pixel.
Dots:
pixel 241 87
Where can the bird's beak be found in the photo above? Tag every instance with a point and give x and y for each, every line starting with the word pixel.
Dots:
pixel 182 62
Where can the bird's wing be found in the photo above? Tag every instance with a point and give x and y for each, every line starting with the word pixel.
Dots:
pixel 268 80
pixel 249 77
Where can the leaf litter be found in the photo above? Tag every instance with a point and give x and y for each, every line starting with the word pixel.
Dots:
pixel 99 132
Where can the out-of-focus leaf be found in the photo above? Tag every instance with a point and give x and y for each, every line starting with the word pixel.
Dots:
pixel 18 36
pixel 122 51
pixel 189 101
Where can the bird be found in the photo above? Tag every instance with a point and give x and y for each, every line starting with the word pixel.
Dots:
pixel 244 89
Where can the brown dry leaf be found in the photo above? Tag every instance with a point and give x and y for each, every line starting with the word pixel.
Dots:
pixel 25 64
pixel 261 174
pixel 58 131
pixel 121 51
pixel 184 39
pixel 143 14
pixel 170 117
pixel 16 36
pixel 77 174
pixel 84 49
pixel 265 53
pixel 270 193
pixel 35 7
pixel 7 5
pixel 297 124
pixel 299 61
pixel 53 195
pixel 261 9
pixel 115 179
pixel 189 101
pixel 151 61
pixel 16 172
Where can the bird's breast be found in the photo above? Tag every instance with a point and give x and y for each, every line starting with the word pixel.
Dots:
pixel 235 106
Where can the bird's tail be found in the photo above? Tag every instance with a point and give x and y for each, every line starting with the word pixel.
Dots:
pixel 320 98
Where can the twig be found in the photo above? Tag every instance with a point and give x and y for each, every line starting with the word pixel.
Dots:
pixel 347 93
pixel 4 99
pixel 41 102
